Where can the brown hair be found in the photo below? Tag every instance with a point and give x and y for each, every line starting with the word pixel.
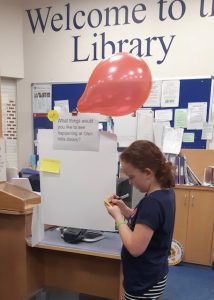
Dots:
pixel 145 154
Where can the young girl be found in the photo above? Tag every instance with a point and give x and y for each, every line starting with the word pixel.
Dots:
pixel 146 231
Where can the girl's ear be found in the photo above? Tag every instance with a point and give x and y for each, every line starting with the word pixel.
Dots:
pixel 148 171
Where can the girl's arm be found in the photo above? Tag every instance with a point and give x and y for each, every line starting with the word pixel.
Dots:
pixel 135 241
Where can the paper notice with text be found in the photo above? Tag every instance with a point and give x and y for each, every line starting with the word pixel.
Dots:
pixel 77 132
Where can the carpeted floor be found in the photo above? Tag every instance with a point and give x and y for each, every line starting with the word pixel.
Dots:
pixel 185 282
pixel 190 282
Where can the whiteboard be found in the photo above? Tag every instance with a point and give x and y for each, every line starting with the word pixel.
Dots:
pixel 75 196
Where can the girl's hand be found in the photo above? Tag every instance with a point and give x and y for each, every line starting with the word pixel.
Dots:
pixel 112 207
pixel 115 212
pixel 115 200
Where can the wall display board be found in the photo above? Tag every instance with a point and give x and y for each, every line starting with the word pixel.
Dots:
pixel 191 90
pixel 59 91
pixel 70 92
pixel 197 90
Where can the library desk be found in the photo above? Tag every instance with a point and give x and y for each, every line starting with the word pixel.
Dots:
pixel 93 269
pixel 89 268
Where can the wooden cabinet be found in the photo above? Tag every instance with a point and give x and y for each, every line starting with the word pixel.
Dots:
pixel 194 223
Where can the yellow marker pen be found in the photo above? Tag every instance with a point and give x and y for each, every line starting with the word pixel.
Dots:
pixel 106 202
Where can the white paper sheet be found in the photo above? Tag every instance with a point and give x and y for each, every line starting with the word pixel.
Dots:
pixel 172 140
pixel 180 119
pixel 62 106
pixel 170 93
pixel 41 98
pixel 77 133
pixel 196 115
pixel 154 98
pixel 144 125
pixel 207 131
pixel 163 115
pixel 158 129
pixel 125 128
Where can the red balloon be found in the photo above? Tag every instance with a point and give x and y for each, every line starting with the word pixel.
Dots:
pixel 118 86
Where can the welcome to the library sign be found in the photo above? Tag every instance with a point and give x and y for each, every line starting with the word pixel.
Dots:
pixel 156 46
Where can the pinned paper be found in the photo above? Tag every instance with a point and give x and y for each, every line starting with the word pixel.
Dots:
pixel 162 115
pixel 207 131
pixel 62 106
pixel 197 114
pixel 77 133
pixel 188 137
pixel 53 115
pixel 170 93
pixel 41 98
pixel 172 140
pixel 155 95
pixel 180 118
pixel 50 166
pixel 144 125
pixel 158 129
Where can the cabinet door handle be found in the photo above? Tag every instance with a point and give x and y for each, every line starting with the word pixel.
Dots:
pixel 192 202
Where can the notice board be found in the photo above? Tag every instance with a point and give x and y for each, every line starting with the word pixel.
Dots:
pixel 191 90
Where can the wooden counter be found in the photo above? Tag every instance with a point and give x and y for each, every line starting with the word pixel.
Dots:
pixel 20 269
pixel 88 268
pixel 91 269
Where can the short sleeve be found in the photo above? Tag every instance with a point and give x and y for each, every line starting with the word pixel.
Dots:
pixel 149 213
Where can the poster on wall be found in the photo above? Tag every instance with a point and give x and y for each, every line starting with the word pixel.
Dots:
pixel 41 95
pixel 9 125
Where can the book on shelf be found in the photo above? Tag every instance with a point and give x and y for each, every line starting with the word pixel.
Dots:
pixel 181 178
pixel 186 177
pixel 193 179
pixel 183 172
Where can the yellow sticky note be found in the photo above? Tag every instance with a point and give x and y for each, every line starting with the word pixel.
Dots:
pixel 53 115
pixel 50 166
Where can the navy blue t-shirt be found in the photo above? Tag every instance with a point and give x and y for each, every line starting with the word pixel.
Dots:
pixel 157 211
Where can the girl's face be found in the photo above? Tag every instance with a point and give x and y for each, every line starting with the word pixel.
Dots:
pixel 140 180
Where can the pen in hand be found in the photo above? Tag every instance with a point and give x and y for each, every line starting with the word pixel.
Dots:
pixel 106 202
pixel 124 196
